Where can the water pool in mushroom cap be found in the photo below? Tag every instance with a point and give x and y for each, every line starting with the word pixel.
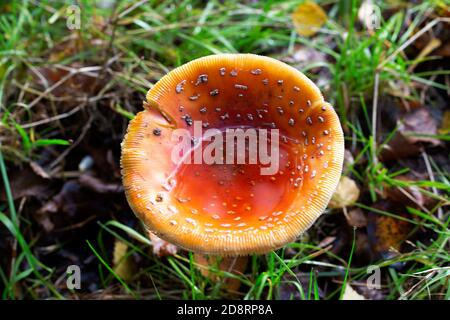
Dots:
pixel 231 209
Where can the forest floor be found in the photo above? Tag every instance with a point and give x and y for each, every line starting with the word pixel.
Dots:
pixel 68 89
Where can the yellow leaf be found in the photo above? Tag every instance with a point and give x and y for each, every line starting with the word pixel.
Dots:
pixel 351 294
pixel 308 18
pixel 433 44
pixel 445 125
pixel 346 194
pixel 122 265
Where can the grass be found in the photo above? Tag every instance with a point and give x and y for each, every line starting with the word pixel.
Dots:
pixel 129 48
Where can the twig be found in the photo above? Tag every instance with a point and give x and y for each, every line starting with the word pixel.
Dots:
pixel 71 73
pixel 411 40
pixel 57 117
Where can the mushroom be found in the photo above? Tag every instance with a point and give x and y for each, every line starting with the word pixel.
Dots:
pixel 232 209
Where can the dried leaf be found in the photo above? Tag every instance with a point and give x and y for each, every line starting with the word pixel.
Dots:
pixel 443 9
pixel 398 148
pixel 386 233
pixel 76 85
pixel 407 196
pixel 122 265
pixel 308 18
pixel 414 129
pixel 419 121
pixel 444 51
pixel 433 44
pixel 25 182
pixel 66 48
pixel 445 125
pixel 162 248
pixel 356 218
pixel 66 201
pixel 74 205
pixel 351 294
pixel 346 194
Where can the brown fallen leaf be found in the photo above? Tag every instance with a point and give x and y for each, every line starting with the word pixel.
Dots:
pixel 66 201
pixel 398 148
pixel 387 234
pixel 24 182
pixel 162 248
pixel 308 18
pixel 444 50
pixel 74 205
pixel 66 83
pixel 356 217
pixel 346 194
pixel 409 195
pixel 70 46
pixel 42 215
pixel 419 121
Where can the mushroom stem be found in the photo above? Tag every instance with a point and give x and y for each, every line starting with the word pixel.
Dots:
pixel 213 267
pixel 161 248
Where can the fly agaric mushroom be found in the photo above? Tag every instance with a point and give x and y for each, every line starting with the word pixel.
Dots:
pixel 232 209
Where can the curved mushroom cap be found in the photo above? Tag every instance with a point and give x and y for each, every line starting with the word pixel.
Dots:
pixel 232 209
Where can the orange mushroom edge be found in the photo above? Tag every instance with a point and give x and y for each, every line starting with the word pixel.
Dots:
pixel 232 209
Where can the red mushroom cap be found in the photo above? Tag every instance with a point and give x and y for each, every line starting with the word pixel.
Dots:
pixel 232 209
